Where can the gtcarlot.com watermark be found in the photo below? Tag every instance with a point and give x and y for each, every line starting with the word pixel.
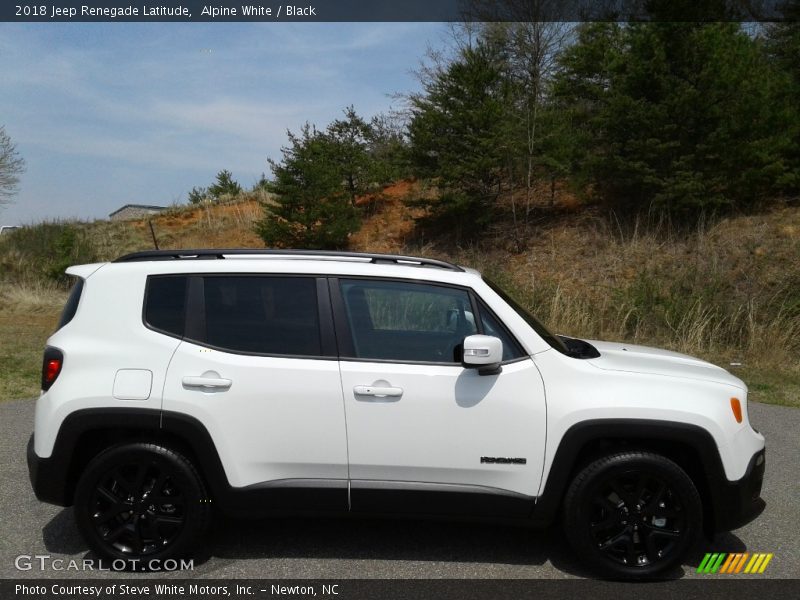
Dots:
pixel 45 562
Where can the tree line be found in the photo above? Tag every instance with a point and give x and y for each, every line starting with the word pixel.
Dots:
pixel 673 119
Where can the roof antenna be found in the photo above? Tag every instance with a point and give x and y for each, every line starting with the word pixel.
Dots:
pixel 153 233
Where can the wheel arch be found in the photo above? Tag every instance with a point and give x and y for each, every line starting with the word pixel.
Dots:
pixel 689 446
pixel 85 433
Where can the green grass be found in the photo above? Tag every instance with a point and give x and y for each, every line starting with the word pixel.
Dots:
pixel 28 315
pixel 21 344
pixel 772 386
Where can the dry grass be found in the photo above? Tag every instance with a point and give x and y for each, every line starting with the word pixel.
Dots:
pixel 28 315
pixel 33 289
pixel 40 298
pixel 729 292
pixel 225 225
pixel 388 223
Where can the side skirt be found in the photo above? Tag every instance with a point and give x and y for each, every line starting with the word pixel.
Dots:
pixel 377 499
pixel 445 500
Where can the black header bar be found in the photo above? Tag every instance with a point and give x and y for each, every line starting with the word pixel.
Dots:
pixel 45 11
pixel 148 588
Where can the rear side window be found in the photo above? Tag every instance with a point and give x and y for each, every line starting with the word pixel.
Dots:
pixel 165 304
pixel 71 307
pixel 262 315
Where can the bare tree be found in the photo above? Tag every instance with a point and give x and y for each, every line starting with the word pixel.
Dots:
pixel 533 47
pixel 533 34
pixel 11 166
pixel 527 37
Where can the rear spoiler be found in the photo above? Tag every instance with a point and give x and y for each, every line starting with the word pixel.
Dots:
pixel 84 271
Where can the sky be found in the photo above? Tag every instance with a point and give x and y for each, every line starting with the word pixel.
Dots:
pixel 109 114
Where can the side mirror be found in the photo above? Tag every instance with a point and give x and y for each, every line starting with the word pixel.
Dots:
pixel 483 352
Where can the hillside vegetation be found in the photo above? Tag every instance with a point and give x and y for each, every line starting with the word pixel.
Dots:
pixel 653 121
pixel 627 181
pixel 728 292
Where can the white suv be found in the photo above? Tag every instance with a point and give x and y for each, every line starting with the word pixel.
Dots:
pixel 271 382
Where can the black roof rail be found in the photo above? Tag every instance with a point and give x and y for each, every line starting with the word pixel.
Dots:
pixel 221 253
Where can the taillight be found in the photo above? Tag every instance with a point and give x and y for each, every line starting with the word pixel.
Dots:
pixel 51 366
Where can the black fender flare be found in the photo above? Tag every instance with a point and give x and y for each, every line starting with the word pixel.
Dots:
pixel 713 484
pixel 86 431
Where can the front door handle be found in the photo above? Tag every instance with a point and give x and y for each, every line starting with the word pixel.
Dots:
pixel 378 391
pixel 207 383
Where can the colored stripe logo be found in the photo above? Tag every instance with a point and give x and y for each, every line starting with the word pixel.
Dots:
pixel 737 562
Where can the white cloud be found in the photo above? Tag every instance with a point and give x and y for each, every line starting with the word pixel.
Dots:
pixel 138 98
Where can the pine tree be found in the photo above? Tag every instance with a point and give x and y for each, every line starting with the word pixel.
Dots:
pixel 313 209
pixel 681 117
pixel 197 195
pixel 224 186
pixel 459 138
pixel 351 137
pixel 782 44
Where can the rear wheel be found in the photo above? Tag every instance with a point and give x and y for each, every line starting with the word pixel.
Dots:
pixel 632 514
pixel 142 504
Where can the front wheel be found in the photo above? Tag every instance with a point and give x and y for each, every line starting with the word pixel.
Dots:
pixel 141 504
pixel 632 514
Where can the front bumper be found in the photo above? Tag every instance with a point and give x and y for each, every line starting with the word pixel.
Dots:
pixel 48 479
pixel 739 502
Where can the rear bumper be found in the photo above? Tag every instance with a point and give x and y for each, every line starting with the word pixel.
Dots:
pixel 739 502
pixel 49 480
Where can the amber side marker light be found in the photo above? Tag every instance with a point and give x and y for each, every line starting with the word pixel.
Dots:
pixel 736 407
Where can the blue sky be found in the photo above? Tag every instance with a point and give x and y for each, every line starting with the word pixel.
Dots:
pixel 115 113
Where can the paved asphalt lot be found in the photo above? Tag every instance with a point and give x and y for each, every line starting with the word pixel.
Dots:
pixel 334 549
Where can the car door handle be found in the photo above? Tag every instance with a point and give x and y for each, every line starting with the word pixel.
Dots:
pixel 378 391
pixel 209 383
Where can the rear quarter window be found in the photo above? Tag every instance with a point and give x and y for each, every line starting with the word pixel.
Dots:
pixel 165 304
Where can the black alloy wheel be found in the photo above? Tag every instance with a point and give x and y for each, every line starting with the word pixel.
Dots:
pixel 141 502
pixel 632 514
pixel 637 519
pixel 137 508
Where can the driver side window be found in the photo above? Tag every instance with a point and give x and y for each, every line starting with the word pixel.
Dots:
pixel 405 321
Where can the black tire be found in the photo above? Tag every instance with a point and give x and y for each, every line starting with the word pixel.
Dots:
pixel 632 515
pixel 141 504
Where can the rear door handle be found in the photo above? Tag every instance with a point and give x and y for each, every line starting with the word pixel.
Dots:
pixel 208 383
pixel 378 391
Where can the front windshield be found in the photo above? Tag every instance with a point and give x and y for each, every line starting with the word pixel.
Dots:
pixel 535 324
